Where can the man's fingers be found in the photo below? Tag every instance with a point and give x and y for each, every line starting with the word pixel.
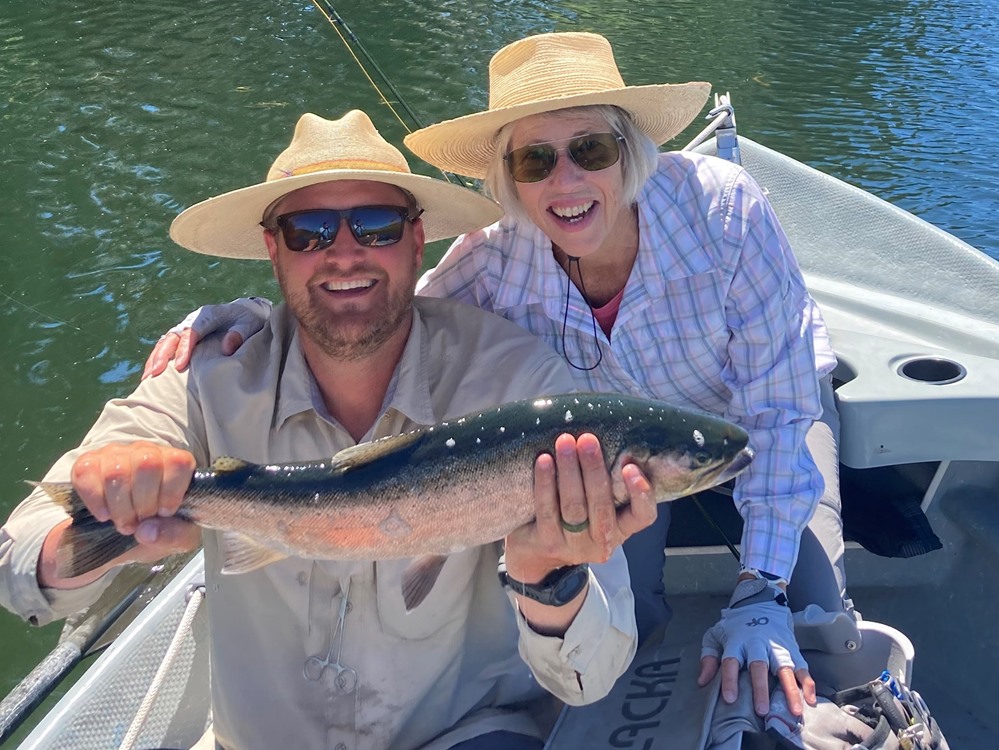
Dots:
pixel 641 510
pixel 178 468
pixel 165 536
pixel 116 468
pixel 571 492
pixel 88 481
pixel 147 475
pixel 548 518
pixel 600 508
pixel 759 677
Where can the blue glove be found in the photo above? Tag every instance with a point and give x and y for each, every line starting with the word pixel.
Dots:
pixel 244 316
pixel 756 626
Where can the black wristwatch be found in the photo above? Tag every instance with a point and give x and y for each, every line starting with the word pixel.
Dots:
pixel 556 589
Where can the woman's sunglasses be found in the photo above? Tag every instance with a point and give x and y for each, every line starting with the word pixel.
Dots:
pixel 591 152
pixel 317 228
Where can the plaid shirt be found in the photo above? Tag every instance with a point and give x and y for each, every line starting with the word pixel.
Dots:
pixel 715 316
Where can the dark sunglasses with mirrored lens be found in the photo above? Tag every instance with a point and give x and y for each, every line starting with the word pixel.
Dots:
pixel 317 228
pixel 592 152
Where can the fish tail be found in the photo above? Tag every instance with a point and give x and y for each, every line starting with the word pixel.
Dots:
pixel 86 543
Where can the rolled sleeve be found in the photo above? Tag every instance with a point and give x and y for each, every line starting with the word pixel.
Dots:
pixel 145 415
pixel 582 666
pixel 21 541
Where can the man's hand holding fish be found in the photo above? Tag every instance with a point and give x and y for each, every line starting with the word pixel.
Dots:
pixel 138 487
pixel 577 522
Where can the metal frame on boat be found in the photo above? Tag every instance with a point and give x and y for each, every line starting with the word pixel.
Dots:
pixel 914 322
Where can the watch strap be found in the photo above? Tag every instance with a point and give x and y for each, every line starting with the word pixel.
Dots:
pixel 556 589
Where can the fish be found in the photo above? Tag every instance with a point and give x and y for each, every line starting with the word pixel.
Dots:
pixel 427 493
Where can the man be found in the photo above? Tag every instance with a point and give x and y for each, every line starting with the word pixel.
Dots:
pixel 349 357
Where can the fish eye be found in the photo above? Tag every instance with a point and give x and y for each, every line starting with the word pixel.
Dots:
pixel 701 458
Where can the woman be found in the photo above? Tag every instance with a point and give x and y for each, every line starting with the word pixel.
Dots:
pixel 665 275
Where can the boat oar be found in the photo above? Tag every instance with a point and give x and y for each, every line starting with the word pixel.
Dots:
pixel 79 635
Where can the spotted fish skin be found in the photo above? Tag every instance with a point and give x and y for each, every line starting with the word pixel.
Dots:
pixel 460 483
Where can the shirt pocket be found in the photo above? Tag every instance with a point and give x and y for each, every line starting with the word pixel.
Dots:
pixel 688 329
pixel 446 604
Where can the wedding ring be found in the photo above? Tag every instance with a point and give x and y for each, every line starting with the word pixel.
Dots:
pixel 575 528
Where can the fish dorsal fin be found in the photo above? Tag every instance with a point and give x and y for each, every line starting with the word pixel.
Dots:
pixel 419 578
pixel 229 465
pixel 364 453
pixel 241 554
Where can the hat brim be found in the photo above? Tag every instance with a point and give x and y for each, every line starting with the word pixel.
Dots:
pixel 228 225
pixel 466 145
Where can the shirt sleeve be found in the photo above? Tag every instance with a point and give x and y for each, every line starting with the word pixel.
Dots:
pixel 157 411
pixel 771 374
pixel 582 666
pixel 460 275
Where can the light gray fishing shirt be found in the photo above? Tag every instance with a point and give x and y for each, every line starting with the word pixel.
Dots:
pixel 446 671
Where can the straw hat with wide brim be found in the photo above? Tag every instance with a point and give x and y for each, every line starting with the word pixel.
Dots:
pixel 548 72
pixel 323 150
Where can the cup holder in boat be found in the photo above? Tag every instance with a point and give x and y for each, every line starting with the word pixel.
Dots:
pixel 932 370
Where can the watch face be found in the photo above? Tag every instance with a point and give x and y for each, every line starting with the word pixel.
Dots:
pixel 567 589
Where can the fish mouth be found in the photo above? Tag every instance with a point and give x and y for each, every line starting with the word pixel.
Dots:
pixel 739 464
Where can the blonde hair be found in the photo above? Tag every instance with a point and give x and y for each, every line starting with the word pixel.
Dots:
pixel 639 158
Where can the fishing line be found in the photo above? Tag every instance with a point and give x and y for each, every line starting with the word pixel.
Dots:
pixel 336 21
pixel 714 525
pixel 38 312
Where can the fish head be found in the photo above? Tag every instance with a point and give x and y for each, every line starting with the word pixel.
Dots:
pixel 682 453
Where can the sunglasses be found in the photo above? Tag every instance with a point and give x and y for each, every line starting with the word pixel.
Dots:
pixel 317 228
pixel 592 152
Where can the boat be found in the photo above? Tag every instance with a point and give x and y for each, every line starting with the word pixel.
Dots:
pixel 914 323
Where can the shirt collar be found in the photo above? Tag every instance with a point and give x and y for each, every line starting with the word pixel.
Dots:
pixel 408 392
pixel 667 249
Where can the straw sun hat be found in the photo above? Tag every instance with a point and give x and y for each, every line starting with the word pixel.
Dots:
pixel 548 72
pixel 326 151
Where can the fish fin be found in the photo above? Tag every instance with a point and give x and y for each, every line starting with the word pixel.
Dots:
pixel 364 453
pixel 241 554
pixel 86 543
pixel 230 465
pixel 419 578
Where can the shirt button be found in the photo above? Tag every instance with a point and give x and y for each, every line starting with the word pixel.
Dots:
pixel 301 578
pixel 340 746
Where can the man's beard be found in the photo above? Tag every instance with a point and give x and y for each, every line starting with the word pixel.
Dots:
pixel 344 339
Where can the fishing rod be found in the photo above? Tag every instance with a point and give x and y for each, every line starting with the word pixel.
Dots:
pixel 347 36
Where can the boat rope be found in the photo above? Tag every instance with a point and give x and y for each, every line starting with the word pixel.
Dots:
pixel 344 32
pixel 197 595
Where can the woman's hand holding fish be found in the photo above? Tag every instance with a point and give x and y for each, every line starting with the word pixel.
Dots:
pixel 137 486
pixel 578 521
